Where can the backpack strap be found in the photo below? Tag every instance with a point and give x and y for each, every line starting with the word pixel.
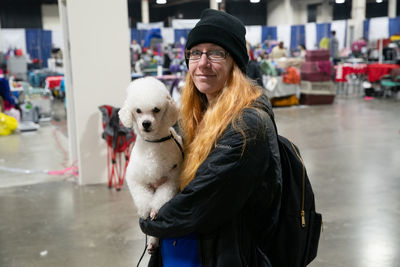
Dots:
pixel 272 117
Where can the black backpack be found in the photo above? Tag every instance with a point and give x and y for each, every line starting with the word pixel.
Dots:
pixel 295 241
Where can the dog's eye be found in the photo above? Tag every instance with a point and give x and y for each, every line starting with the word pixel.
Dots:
pixel 139 110
pixel 156 110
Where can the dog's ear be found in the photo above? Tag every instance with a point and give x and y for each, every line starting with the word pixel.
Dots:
pixel 126 117
pixel 172 112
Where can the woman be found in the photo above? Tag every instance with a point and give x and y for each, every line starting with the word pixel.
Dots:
pixel 231 176
pixel 302 51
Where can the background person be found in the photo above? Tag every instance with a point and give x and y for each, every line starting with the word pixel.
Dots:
pixel 278 51
pixel 334 47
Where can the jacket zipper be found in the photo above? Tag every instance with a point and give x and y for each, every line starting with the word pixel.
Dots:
pixel 302 212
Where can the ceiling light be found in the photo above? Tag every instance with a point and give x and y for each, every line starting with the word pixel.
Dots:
pixel 254 1
pixel 379 1
pixel 339 1
pixel 219 1
pixel 160 2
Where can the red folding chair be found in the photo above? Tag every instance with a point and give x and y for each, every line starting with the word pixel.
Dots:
pixel 120 141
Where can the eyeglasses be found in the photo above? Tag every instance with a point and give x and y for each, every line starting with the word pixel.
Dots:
pixel 212 55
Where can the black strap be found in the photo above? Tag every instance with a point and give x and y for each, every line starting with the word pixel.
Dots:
pixel 144 251
pixel 179 145
pixel 160 140
pixel 165 139
pixel 271 115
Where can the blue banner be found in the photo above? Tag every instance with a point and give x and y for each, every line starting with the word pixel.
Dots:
pixel 323 30
pixel 394 26
pixel 297 36
pixel 138 35
pixel 38 44
pixel 366 29
pixel 179 33
pixel 268 33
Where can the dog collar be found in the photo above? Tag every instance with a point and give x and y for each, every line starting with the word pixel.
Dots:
pixel 165 139
pixel 160 140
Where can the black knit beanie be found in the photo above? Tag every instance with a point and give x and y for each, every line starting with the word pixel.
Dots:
pixel 223 29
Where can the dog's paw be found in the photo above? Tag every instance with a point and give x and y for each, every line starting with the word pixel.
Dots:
pixel 153 214
pixel 152 245
pixel 143 213
pixel 151 248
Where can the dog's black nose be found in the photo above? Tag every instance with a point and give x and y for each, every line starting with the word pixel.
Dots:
pixel 146 125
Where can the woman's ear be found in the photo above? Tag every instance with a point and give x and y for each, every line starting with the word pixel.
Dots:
pixel 172 111
pixel 126 117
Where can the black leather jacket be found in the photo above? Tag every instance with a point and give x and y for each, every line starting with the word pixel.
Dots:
pixel 233 202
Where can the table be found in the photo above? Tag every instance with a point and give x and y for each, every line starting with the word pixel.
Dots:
pixel 281 89
pixel 343 70
pixel 54 81
pixel 376 71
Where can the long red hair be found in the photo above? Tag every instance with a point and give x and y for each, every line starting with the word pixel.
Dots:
pixel 202 126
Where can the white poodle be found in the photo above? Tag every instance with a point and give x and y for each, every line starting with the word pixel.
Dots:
pixel 153 170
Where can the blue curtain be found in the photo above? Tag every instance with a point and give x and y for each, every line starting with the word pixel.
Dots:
pixel 297 36
pixel 323 30
pixel 153 33
pixel 138 35
pixel 366 29
pixel 394 26
pixel 268 33
pixel 38 44
pixel 181 33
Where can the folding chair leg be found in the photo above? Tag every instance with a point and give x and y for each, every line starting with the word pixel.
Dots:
pixel 111 168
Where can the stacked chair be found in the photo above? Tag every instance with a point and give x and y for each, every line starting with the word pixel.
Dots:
pixel 317 87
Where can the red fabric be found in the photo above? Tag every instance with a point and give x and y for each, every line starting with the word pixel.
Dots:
pixel 342 70
pixel 291 76
pixel 251 54
pixel 385 43
pixel 376 71
pixel 18 52
pixel 54 81
pixel 325 67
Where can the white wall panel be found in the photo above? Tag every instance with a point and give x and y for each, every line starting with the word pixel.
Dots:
pixel 253 34
pixel 378 28
pixel 13 38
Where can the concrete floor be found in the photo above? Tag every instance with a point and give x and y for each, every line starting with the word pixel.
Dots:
pixel 351 150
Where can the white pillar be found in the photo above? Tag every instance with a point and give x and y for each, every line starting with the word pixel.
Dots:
pixel 325 12
pixel 72 138
pixel 145 11
pixel 279 12
pixel 289 12
pixel 358 17
pixel 213 4
pixel 97 71
pixel 392 8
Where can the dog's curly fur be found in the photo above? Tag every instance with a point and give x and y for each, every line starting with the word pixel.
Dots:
pixel 153 171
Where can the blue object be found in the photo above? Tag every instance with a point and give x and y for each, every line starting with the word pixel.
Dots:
pixel 5 92
pixel 153 33
pixel 182 252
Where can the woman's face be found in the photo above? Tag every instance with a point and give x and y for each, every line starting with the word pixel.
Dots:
pixel 210 76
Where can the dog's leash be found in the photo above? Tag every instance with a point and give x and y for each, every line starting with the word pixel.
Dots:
pixel 144 251
pixel 166 139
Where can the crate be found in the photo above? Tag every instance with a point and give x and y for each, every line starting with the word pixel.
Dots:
pixel 317 55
